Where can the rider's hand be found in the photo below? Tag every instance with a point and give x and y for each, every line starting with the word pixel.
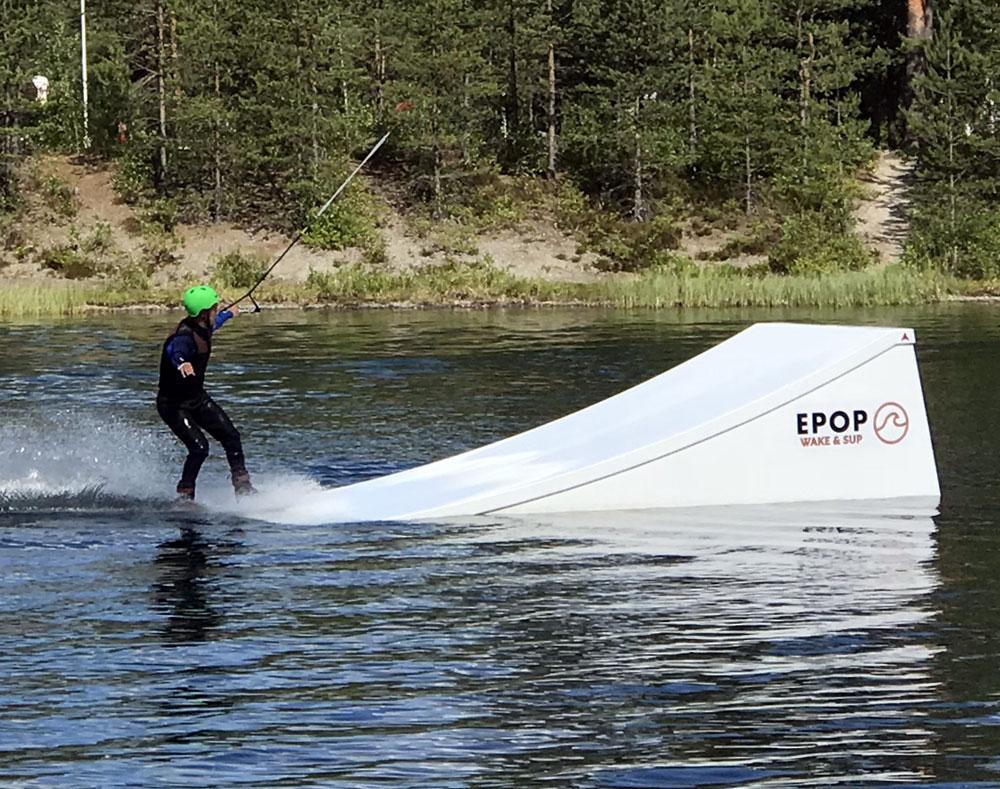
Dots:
pixel 235 309
pixel 186 370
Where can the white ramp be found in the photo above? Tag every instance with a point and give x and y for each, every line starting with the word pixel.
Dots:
pixel 777 413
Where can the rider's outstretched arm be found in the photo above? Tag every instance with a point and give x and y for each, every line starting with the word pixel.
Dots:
pixel 222 317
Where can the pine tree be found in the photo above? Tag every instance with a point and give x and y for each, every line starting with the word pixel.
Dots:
pixel 35 38
pixel 622 131
pixel 147 40
pixel 748 109
pixel 438 67
pixel 521 51
pixel 828 64
pixel 206 117
pixel 953 125
pixel 829 136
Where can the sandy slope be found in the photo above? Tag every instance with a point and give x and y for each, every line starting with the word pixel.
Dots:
pixel 537 250
pixel 882 215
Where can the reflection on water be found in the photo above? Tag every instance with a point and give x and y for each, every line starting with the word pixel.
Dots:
pixel 756 646
pixel 630 649
pixel 184 586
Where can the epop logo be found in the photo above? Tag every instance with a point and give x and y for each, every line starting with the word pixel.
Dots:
pixel 892 423
pixel 821 429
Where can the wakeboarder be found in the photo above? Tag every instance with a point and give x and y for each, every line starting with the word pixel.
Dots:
pixel 182 401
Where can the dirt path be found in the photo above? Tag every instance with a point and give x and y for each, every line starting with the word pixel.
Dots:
pixel 882 215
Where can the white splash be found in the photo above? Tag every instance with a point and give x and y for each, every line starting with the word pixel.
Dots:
pixel 64 453
pixel 65 459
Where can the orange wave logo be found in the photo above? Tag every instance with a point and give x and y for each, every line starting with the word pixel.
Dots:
pixel 892 423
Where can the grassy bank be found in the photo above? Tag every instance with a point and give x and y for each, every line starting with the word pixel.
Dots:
pixel 463 285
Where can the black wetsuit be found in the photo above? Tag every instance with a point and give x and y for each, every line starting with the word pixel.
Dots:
pixel 186 407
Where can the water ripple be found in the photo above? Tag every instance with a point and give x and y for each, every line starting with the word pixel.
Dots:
pixel 754 647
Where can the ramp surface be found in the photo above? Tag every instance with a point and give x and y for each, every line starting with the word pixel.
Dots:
pixel 777 413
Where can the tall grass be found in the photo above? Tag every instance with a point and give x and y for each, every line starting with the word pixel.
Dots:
pixel 29 301
pixel 710 287
pixel 58 297
pixel 657 288
pixel 483 283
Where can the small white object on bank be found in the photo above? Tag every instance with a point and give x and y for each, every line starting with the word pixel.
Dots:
pixel 778 413
pixel 40 88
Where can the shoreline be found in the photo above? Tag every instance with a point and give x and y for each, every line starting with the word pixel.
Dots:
pixel 89 252
pixel 482 287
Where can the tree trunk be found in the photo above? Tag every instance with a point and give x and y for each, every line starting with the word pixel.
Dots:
pixel 314 127
pixel 436 211
pixel 551 120
pixel 379 63
pixel 747 131
pixel 174 57
pixel 692 111
pixel 161 87
pixel 466 134
pixel 344 94
pixel 638 198
pixel 748 165
pixel 919 19
pixel 805 87
pixel 803 104
pixel 919 27
pixel 8 188
pixel 952 180
pixel 217 152
pixel 513 100
pixel 314 105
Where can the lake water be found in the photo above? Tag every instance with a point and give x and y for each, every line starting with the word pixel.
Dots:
pixel 143 647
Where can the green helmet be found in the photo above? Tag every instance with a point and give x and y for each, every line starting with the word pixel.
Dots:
pixel 199 298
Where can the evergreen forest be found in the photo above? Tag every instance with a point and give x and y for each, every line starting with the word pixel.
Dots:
pixel 640 115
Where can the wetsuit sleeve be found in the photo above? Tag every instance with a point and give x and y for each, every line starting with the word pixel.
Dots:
pixel 181 349
pixel 221 318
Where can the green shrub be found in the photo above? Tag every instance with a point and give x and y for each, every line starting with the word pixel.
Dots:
pixel 11 234
pixel 620 243
pixel 348 222
pixel 157 224
pixel 159 247
pixel 968 248
pixel 726 215
pixel 447 237
pixel 132 277
pixel 571 208
pixel 376 251
pixel 827 194
pixel 133 174
pixel 485 201
pixel 69 261
pixel 759 239
pixel 453 281
pixel 100 241
pixel 238 270
pixel 810 245
pixel 632 246
pixel 60 197
pixel 162 214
